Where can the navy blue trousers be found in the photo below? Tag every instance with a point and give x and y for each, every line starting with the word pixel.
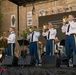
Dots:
pixel 70 43
pixel 33 50
pixel 10 49
pixel 49 47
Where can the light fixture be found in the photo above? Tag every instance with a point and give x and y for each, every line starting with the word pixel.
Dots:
pixel 33 9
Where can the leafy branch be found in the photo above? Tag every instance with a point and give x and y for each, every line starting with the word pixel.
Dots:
pixel 24 34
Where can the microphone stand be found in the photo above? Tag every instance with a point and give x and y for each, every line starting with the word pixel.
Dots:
pixel 23 58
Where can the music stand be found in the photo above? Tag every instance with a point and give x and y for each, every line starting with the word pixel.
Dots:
pixel 62 42
pixel 23 42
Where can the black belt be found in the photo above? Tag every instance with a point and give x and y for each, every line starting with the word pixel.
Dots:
pixel 50 39
pixel 33 41
pixel 70 34
pixel 11 43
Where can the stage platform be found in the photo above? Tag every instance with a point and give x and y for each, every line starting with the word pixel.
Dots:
pixel 37 71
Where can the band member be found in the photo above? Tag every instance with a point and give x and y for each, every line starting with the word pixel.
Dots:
pixel 50 34
pixel 70 30
pixel 33 37
pixel 11 42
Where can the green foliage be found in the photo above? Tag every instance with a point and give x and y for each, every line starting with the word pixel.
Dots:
pixel 24 35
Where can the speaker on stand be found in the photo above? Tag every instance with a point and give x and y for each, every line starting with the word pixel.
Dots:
pixel 26 61
pixel 7 62
pixel 50 61
pixel 74 60
pixel 10 61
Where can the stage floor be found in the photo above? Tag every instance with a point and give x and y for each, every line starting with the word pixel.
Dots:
pixel 37 71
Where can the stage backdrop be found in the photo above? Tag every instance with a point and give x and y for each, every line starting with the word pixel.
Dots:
pixel 56 19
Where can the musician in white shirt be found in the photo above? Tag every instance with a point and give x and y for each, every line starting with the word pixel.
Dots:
pixel 33 37
pixel 50 35
pixel 11 42
pixel 70 31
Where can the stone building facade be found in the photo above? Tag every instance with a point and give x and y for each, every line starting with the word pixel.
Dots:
pixel 41 9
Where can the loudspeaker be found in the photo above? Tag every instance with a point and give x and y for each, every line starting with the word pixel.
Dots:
pixel 50 61
pixel 27 61
pixel 74 60
pixel 64 61
pixel 10 61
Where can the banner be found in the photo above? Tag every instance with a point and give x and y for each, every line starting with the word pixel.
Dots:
pixel 29 18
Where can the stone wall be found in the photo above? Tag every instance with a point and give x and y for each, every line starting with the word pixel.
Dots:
pixel 49 8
